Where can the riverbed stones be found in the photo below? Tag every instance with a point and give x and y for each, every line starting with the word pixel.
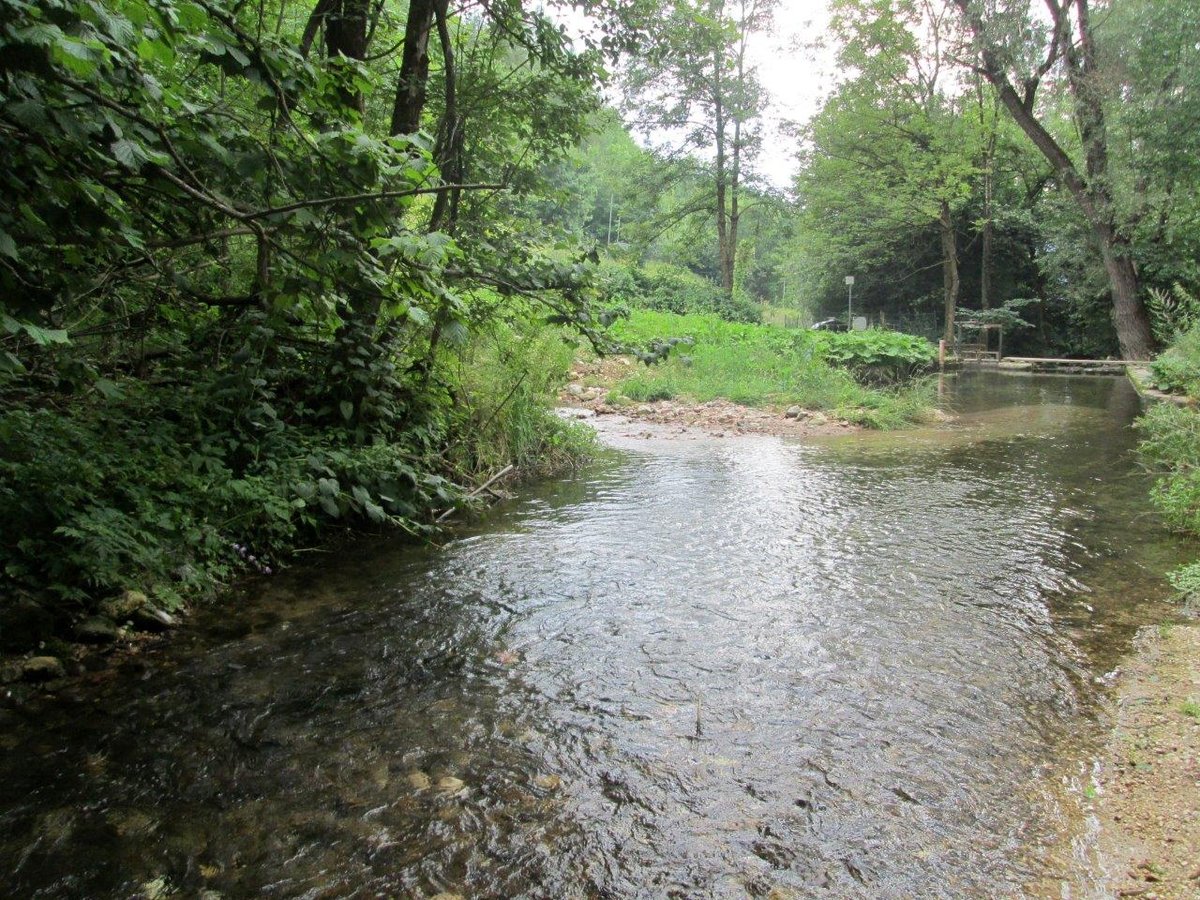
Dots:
pixel 448 784
pixel 42 668
pixel 418 781
pixel 548 782
pixel 96 630
pixel 793 412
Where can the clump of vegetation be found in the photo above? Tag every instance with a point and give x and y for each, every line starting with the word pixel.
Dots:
pixel 1177 369
pixel 663 287
pixel 877 357
pixel 1170 447
pixel 759 365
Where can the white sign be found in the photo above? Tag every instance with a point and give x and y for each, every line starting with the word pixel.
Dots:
pixel 860 323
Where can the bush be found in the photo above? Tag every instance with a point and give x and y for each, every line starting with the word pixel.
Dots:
pixel 1171 447
pixel 877 357
pixel 1177 370
pixel 171 488
pixel 673 289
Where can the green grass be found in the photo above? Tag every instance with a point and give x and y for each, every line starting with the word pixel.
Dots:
pixel 1190 708
pixel 759 365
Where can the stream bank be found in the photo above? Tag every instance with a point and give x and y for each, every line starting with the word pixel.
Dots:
pixel 1147 787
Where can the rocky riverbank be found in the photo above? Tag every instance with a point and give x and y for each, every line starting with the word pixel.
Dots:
pixel 1147 792
pixel 590 390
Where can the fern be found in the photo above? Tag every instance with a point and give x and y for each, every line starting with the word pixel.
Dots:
pixel 1172 313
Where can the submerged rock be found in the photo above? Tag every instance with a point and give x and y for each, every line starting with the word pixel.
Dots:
pixel 450 785
pixel 42 668
pixel 418 781
pixel 97 630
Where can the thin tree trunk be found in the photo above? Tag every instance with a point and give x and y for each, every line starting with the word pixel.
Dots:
pixel 449 150
pixel 724 259
pixel 950 281
pixel 413 81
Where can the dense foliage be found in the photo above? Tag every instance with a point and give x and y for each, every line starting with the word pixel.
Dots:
pixel 227 322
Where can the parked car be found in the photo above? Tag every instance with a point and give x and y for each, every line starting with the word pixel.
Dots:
pixel 829 325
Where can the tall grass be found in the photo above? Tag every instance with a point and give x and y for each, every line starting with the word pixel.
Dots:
pixel 759 365
pixel 506 379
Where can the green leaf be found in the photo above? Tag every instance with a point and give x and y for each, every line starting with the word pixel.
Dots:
pixel 347 409
pixel 128 154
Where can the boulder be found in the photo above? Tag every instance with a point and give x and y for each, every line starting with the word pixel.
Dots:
pixel 42 668
pixel 123 606
pixel 96 630
pixel 23 624
pixel 149 618
pixel 793 412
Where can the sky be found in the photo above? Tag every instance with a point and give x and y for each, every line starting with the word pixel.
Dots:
pixel 796 75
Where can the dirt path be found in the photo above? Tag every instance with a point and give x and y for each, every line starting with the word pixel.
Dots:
pixel 1148 791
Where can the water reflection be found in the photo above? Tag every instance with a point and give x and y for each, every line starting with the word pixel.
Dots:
pixel 856 667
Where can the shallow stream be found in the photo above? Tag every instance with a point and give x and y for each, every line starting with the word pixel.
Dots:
pixel 864 666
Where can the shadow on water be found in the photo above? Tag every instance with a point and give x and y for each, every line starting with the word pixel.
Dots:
pixel 860 666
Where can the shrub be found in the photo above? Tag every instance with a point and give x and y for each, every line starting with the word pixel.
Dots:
pixel 877 357
pixel 1177 370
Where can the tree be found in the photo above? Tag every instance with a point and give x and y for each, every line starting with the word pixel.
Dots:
pixel 1009 49
pixel 698 87
pixel 890 152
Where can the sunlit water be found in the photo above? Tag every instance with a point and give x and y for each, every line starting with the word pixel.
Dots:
pixel 860 667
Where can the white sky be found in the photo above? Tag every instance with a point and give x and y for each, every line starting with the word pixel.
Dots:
pixel 796 76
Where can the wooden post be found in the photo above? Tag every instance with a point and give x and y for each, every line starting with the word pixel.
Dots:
pixel 942 353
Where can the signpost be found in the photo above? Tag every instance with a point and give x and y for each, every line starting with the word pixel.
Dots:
pixel 849 301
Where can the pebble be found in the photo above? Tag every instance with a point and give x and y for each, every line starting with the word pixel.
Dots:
pixel 450 784
pixel 548 782
pixel 418 781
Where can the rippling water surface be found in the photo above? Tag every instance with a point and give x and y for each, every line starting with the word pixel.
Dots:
pixel 859 667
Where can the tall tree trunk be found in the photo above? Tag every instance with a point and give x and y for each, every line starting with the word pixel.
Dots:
pixel 1090 189
pixel 413 81
pixel 345 24
pixel 448 154
pixel 950 280
pixel 724 257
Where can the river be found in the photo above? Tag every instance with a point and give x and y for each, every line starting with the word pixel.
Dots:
pixel 862 666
